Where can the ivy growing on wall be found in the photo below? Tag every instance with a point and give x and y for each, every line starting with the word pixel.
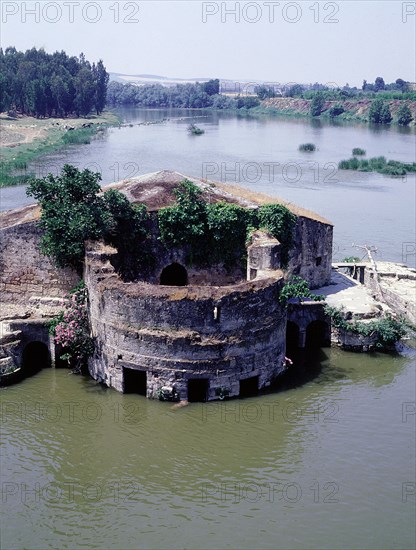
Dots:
pixel 218 232
pixel 185 222
pixel 280 222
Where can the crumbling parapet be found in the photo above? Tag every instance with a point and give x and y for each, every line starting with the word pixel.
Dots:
pixel 263 255
pixel 222 335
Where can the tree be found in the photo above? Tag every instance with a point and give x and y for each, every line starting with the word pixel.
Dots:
pixel 379 84
pixel 212 87
pixel 317 104
pixel 295 90
pixel 374 114
pixel 61 94
pixel 39 84
pixel 101 78
pixel 402 85
pixel 264 92
pixel 385 115
pixel 404 115
pixel 336 110
pixel 85 92
pixel 72 212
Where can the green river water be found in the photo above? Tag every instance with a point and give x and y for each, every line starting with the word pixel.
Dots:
pixel 325 461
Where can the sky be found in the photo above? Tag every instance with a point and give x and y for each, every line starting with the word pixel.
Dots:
pixel 270 41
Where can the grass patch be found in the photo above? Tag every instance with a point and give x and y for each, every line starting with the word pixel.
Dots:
pixel 82 136
pixel 357 151
pixel 350 259
pixel 307 147
pixel 378 164
pixel 14 161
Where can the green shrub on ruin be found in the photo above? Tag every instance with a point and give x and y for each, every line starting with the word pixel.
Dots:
pixel 387 330
pixel 72 212
pixel 227 230
pixel 296 287
pixel 217 233
pixel 184 222
pixel 280 222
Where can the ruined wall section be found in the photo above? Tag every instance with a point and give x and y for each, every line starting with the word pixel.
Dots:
pixel 225 334
pixel 25 272
pixel 311 254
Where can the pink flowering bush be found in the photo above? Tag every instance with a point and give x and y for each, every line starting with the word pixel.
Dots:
pixel 71 329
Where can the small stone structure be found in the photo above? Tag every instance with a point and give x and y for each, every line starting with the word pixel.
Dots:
pixel 307 324
pixel 196 333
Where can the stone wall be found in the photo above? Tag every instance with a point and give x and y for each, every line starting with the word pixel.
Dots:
pixel 311 255
pixel 306 313
pixel 24 271
pixel 397 284
pixel 223 334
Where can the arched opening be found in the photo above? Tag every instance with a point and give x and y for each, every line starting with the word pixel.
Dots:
pixel 198 389
pixel 317 334
pixel 35 357
pixel 249 387
pixel 292 335
pixel 174 275
pixel 134 381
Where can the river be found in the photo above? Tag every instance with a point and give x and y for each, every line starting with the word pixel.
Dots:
pixel 261 153
pixel 326 461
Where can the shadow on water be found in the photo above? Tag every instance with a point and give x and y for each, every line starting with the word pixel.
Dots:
pixel 35 357
pixel 308 366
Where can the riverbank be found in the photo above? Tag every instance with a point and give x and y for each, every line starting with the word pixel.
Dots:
pixel 354 109
pixel 24 139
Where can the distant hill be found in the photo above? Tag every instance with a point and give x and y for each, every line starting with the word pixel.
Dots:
pixel 228 86
pixel 142 79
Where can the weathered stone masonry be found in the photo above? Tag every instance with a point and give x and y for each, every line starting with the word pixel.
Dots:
pixel 225 334
pixel 25 273
pixel 224 328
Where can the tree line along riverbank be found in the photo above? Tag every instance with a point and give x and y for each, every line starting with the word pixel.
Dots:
pixel 348 109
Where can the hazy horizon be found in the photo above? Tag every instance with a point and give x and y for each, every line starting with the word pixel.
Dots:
pixel 328 42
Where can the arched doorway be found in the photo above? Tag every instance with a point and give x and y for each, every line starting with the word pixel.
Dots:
pixel 174 275
pixel 197 389
pixel 292 335
pixel 317 334
pixel 35 357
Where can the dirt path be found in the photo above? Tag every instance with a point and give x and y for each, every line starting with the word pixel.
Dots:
pixel 12 136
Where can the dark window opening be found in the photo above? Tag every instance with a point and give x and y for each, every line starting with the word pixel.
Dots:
pixel 134 381
pixel 249 387
pixel 35 357
pixel 318 260
pixel 317 335
pixel 198 389
pixel 292 336
pixel 174 275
